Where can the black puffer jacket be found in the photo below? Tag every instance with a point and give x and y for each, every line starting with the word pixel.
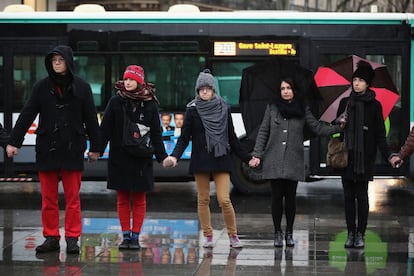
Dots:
pixel 65 122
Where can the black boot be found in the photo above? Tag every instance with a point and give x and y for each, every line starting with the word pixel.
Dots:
pixel 51 244
pixel 359 240
pixel 350 240
pixel 278 239
pixel 289 239
pixel 72 246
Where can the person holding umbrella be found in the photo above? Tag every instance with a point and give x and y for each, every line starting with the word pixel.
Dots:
pixel 363 134
pixel 279 148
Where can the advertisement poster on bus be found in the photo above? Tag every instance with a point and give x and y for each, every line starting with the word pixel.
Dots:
pixel 170 126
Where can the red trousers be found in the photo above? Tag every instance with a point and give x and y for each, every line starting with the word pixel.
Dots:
pixel 49 184
pixel 139 208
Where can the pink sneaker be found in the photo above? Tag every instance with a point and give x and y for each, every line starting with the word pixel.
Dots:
pixel 235 242
pixel 208 242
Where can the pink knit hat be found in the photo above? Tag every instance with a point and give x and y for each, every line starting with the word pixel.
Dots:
pixel 135 72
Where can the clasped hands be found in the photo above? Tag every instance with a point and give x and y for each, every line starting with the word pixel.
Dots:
pixel 254 162
pixel 169 162
pixel 396 161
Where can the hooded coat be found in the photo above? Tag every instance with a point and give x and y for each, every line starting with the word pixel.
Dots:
pixel 65 121
pixel 126 172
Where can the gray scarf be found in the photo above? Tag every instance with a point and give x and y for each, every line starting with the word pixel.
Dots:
pixel 213 114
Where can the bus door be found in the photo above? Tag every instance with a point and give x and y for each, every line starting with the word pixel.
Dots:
pixel 396 56
pixel 21 65
pixel 228 74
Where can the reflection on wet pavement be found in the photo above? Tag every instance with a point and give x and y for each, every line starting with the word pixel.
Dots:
pixel 170 237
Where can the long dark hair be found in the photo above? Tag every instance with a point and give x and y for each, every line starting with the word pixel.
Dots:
pixel 295 108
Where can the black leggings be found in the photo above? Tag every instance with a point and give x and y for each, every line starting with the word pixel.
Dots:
pixel 283 188
pixel 356 190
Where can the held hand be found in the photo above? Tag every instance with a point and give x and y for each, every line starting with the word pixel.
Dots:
pixel 93 156
pixel 169 162
pixel 254 162
pixel 11 151
pixel 396 162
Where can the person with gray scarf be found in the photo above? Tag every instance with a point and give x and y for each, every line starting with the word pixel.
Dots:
pixel 209 125
pixel 363 134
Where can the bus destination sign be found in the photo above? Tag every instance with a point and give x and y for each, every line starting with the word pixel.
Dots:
pixel 254 48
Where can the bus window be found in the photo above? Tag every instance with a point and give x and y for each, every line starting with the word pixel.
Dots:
pixel 228 75
pixel 1 82
pixel 173 75
pixel 92 70
pixel 27 70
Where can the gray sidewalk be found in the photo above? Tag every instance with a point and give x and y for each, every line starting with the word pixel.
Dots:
pixel 171 236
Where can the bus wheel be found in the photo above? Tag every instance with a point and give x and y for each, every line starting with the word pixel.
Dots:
pixel 247 180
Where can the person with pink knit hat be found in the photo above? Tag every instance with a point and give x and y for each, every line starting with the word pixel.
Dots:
pixel 130 175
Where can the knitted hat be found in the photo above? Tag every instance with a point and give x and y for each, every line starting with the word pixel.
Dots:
pixel 135 72
pixel 204 79
pixel 364 71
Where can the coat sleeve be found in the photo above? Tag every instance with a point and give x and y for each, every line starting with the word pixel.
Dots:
pixel 4 136
pixel 263 134
pixel 156 136
pixel 26 117
pixel 234 142
pixel 91 120
pixel 107 125
pixel 408 147
pixel 380 133
pixel 318 127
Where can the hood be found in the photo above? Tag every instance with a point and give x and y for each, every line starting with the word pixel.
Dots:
pixel 66 53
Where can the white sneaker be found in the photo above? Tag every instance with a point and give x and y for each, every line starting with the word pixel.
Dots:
pixel 208 242
pixel 235 242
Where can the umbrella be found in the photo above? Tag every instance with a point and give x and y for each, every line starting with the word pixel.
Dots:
pixel 260 83
pixel 334 83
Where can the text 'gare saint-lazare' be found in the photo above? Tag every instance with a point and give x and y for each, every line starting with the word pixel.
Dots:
pixel 273 48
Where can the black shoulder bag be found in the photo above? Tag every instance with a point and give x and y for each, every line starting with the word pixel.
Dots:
pixel 136 137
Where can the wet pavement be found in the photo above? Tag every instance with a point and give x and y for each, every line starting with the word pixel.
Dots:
pixel 171 238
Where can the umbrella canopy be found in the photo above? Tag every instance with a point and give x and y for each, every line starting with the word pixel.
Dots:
pixel 260 85
pixel 335 82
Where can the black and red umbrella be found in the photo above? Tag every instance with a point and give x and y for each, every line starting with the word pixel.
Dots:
pixel 334 82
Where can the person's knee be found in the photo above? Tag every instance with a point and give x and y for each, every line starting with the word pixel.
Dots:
pixel 224 202
pixel 203 200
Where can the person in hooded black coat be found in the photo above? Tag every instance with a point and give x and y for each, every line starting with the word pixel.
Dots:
pixel 67 116
pixel 129 175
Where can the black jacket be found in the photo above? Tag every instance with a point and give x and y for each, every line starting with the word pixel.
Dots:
pixel 201 159
pixel 65 122
pixel 126 172
pixel 374 137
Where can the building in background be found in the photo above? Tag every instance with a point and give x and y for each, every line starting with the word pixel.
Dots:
pixel 226 5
